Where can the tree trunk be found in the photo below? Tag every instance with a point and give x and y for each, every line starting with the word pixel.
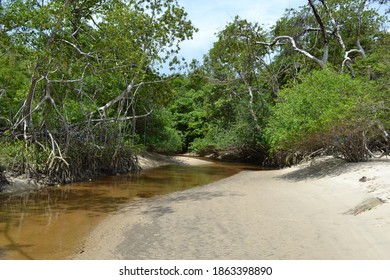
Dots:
pixel 27 106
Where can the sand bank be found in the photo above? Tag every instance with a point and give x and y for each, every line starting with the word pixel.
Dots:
pixel 304 212
pixel 148 160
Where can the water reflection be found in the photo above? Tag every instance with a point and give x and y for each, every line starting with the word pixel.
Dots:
pixel 52 222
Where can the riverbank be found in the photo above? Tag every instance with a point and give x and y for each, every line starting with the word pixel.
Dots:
pixel 327 209
pixel 146 160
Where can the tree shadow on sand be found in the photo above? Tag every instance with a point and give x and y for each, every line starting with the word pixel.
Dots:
pixel 321 168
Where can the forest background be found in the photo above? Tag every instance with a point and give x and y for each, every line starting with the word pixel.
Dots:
pixel 82 91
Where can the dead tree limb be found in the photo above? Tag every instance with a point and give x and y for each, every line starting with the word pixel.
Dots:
pixel 78 49
pixel 124 95
pixel 336 31
pixel 323 32
pixel 321 62
pixel 347 61
pixel 121 119
pixel 276 40
pixel 359 25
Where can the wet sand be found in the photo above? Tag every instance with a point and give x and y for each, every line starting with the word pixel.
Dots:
pixel 304 212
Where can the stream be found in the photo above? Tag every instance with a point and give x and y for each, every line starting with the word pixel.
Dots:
pixel 51 223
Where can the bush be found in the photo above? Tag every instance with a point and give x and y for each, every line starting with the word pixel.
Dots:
pixel 159 134
pixel 326 110
pixel 239 142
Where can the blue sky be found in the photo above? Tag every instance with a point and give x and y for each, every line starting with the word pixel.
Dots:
pixel 211 16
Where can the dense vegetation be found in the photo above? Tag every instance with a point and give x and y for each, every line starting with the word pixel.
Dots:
pixel 81 91
pixel 79 83
pixel 317 83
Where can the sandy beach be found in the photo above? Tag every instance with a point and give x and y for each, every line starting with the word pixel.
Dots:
pixel 326 209
pixel 148 160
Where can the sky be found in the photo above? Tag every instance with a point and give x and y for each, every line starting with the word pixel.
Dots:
pixel 211 16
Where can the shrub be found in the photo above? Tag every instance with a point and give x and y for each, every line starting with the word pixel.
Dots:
pixel 326 110
pixel 159 134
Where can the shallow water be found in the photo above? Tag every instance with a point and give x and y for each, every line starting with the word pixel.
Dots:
pixel 52 223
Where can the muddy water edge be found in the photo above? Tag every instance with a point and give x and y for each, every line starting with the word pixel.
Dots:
pixel 51 223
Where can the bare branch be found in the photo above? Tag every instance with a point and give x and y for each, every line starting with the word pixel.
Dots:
pixel 359 24
pixel 250 91
pixel 55 145
pixel 294 45
pixel 316 29
pixel 122 96
pixel 323 31
pixel 75 47
pixel 47 97
pixel 30 113
pixel 70 81
pixel 336 31
pixel 121 119
pixel 322 62
pixel 347 60
pixel 319 21
pixel 66 81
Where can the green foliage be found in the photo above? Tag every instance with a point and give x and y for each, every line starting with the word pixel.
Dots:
pixel 77 93
pixel 14 79
pixel 159 134
pixel 219 139
pixel 18 157
pixel 376 67
pixel 238 91
pixel 78 90
pixel 236 51
pixel 326 110
pixel 189 109
pixel 6 153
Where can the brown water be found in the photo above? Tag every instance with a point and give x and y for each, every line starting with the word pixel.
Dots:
pixel 53 222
